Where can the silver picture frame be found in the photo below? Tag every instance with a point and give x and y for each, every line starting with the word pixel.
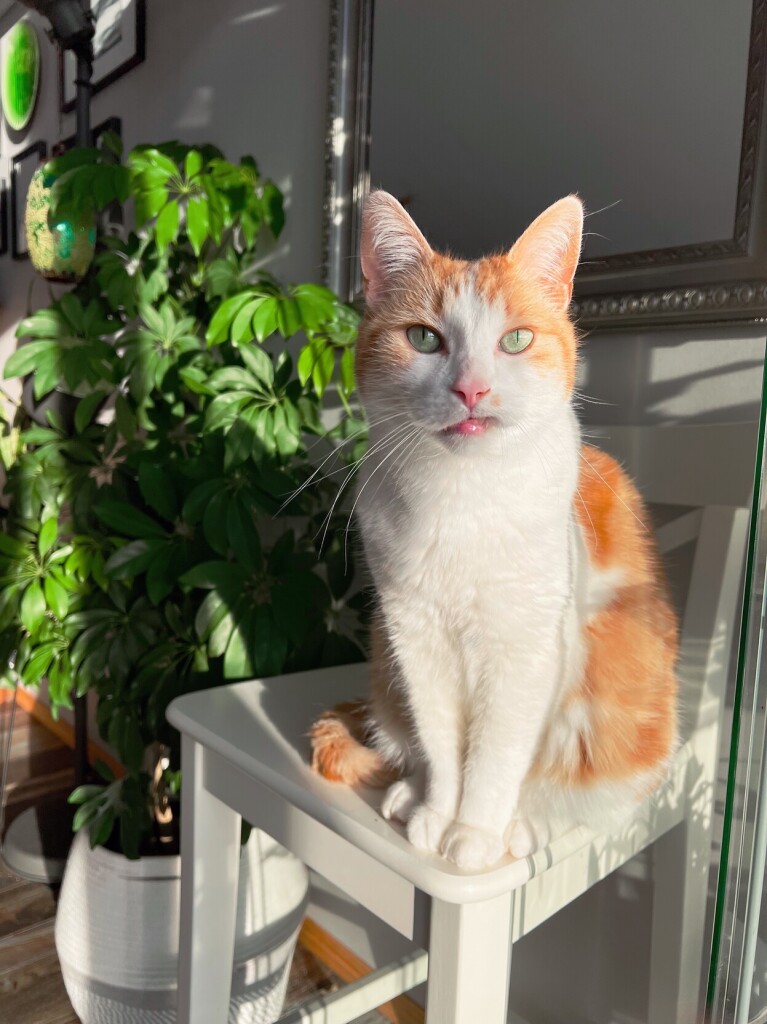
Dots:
pixel 724 279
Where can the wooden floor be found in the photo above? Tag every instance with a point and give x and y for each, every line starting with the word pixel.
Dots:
pixel 31 989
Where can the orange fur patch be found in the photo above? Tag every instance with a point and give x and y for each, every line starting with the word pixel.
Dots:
pixel 613 518
pixel 339 751
pixel 630 689
pixel 629 685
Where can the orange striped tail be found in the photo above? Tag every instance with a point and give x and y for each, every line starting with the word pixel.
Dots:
pixel 340 750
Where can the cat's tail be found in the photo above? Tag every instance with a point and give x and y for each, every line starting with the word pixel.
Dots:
pixel 341 750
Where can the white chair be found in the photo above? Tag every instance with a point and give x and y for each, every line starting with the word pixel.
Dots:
pixel 245 753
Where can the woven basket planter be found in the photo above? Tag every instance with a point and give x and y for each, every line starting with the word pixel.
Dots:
pixel 117 933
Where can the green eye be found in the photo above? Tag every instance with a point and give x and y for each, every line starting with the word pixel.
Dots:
pixel 516 341
pixel 423 339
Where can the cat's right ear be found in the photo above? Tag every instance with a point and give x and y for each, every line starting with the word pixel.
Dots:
pixel 391 245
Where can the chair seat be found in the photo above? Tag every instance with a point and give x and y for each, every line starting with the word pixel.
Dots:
pixel 262 727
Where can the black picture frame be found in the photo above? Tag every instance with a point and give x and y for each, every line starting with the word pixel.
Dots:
pixel 4 240
pixel 110 124
pixel 102 78
pixel 23 166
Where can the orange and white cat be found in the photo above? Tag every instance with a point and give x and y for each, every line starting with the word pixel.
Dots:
pixel 523 651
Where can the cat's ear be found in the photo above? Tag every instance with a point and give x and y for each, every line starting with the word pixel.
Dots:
pixel 391 245
pixel 550 247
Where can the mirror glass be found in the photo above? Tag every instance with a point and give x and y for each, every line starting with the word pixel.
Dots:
pixel 484 113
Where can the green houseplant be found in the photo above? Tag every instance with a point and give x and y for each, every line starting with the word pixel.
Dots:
pixel 150 544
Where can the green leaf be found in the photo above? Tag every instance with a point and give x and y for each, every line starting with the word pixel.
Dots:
pixel 166 227
pixel 127 520
pixel 347 371
pixel 281 555
pixel 214 522
pixel 322 373
pixel 274 210
pixel 11 546
pixel 49 531
pixel 104 771
pixel 209 614
pixel 258 362
pixel 32 607
pixel 85 814
pixel 299 599
pixel 196 503
pixel 218 329
pixel 38 664
pixel 133 558
pixel 265 319
pixel 86 409
pixel 25 359
pixel 238 444
pixel 157 490
pixel 241 330
pixel 238 657
pixel 160 579
pixel 288 318
pixel 197 223
pixel 243 535
pixel 126 421
pixel 101 827
pixel 305 365
pixel 152 160
pixel 148 204
pixel 82 794
pixel 56 597
pixel 221 634
pixel 220 575
pixel 193 163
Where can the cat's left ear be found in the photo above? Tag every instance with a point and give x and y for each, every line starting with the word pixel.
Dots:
pixel 549 249
pixel 391 246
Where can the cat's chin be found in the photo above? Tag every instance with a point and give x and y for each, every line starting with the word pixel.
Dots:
pixel 472 426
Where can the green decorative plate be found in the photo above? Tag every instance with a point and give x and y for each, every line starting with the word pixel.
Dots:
pixel 20 74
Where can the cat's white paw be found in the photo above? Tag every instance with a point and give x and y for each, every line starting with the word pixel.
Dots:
pixel 426 827
pixel 400 801
pixel 521 839
pixel 471 848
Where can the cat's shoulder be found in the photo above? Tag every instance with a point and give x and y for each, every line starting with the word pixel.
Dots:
pixel 613 520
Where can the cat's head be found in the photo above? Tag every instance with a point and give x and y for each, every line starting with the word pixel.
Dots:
pixel 466 349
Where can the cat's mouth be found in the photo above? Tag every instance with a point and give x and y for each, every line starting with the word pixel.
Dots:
pixel 472 426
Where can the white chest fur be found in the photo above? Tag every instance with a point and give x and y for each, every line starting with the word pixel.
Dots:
pixel 475 545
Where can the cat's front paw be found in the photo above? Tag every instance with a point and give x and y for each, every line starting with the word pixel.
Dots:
pixel 527 835
pixel 400 801
pixel 471 848
pixel 426 827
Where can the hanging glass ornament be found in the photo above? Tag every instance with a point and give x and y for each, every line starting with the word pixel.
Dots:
pixel 61 251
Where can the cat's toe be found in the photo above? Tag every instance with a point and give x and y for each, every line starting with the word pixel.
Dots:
pixel 471 848
pixel 525 836
pixel 521 839
pixel 400 801
pixel 425 828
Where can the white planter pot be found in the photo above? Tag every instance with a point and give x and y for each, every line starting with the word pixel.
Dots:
pixel 117 933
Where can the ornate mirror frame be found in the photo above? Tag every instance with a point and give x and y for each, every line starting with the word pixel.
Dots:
pixel 720 280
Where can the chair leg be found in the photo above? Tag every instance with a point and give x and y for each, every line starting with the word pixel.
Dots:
pixel 210 863
pixel 469 962
pixel 680 880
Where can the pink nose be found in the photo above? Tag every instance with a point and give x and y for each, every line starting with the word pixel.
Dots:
pixel 470 392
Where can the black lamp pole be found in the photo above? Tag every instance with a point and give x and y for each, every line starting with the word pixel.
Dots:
pixel 83 133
